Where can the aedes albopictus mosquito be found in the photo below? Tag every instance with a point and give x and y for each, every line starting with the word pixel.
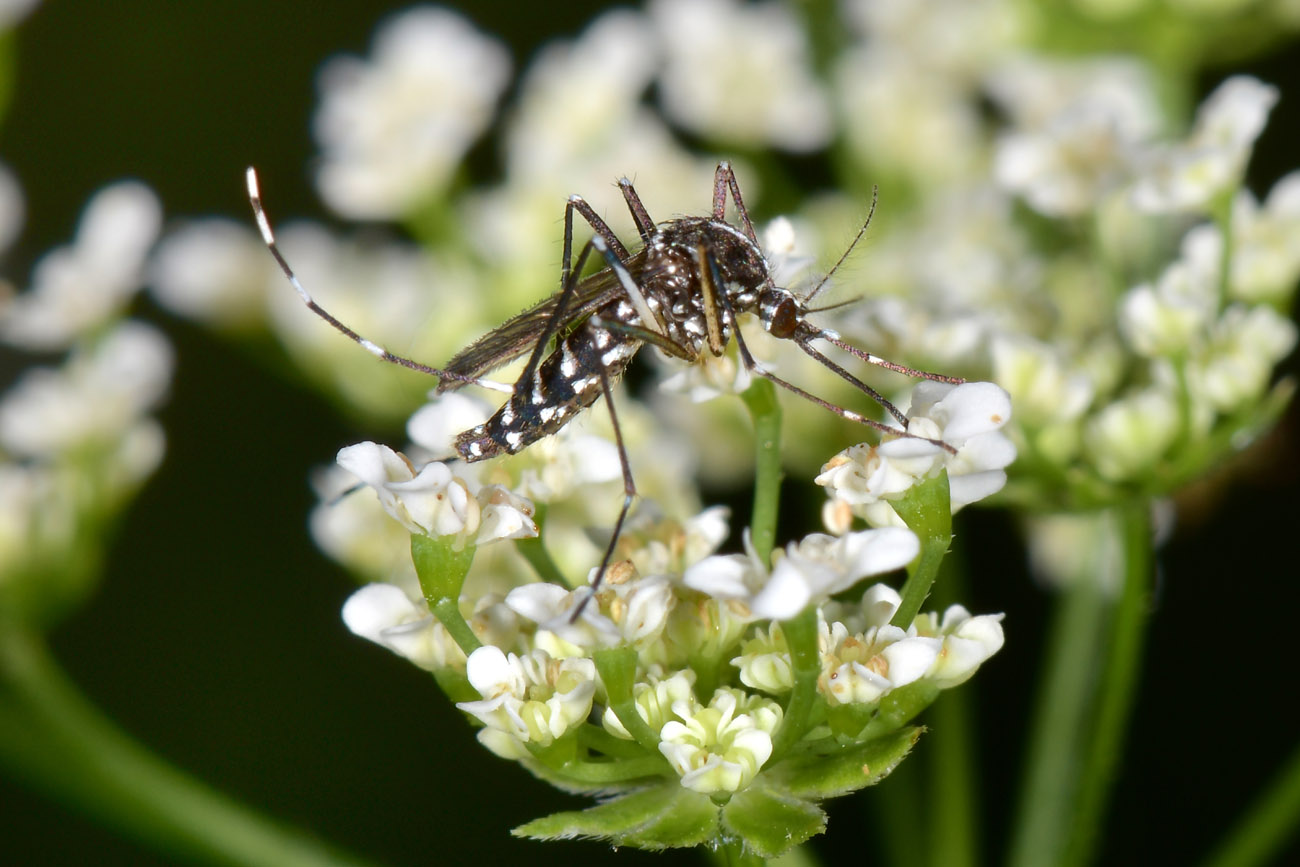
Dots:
pixel 681 292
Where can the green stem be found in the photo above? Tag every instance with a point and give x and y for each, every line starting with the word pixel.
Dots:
pixel 441 567
pixel 534 551
pixel 952 774
pixel 927 511
pixel 951 782
pixel 1270 820
pixel 1118 682
pixel 799 856
pixel 801 638
pixel 733 854
pixel 1057 731
pixel 617 669
pixel 760 400
pixel 50 732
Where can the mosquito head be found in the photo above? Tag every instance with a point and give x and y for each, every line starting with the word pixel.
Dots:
pixel 780 312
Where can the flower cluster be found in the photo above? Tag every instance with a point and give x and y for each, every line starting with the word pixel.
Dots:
pixel 674 668
pixel 76 440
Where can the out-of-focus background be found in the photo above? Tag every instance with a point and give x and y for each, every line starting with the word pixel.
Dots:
pixel 216 635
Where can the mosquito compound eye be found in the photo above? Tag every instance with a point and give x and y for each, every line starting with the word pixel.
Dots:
pixel 782 316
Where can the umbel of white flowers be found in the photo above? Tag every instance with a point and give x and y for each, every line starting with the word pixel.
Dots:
pixel 714 647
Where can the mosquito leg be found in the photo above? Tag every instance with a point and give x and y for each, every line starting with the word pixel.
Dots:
pixel 724 180
pixel 854 381
pixel 645 335
pixel 609 245
pixel 566 297
pixel 629 493
pixel 598 225
pixel 634 294
pixel 748 359
pixel 644 225
pixel 268 238
pixel 832 338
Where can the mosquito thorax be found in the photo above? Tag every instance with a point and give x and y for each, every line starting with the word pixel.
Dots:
pixel 671 256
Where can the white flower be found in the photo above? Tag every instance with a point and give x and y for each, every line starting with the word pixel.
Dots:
pixel 811 571
pixel 556 466
pixel 1265 258
pixel 384 614
pixel 1236 363
pixel 77 288
pixel 1079 125
pixel 860 668
pixel 532 698
pixel 433 502
pixel 96 398
pixel 355 530
pixel 720 747
pixel 611 65
pixel 394 128
pixel 1128 437
pixel 38 519
pixel 740 73
pixel 1187 176
pixel 654 698
pixel 215 270
pixel 551 607
pixel 659 545
pixel 967 417
pixel 967 641
pixel 1165 319
pixel 928 111
pixel 1041 386
pixel 627 609
pixel 435 426
pixel 13 11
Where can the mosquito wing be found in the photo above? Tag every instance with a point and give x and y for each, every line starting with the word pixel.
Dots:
pixel 519 335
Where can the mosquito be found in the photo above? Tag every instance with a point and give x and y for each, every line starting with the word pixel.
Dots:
pixel 681 291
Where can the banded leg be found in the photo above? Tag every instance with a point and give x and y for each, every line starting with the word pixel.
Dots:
pixel 629 494
pixel 268 238
pixel 747 359
pixel 644 225
pixel 569 273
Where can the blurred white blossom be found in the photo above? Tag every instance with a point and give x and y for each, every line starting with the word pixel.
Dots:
pixel 394 127
pixel 78 288
pixel 740 73
pixel 96 398
pixel 215 270
pixel 1187 176
pixel 1078 129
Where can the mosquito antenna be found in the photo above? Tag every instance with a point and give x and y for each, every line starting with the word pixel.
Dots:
pixel 821 284
pixel 268 237
pixel 836 306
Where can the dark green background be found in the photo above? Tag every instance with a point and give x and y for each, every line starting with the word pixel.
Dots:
pixel 216 637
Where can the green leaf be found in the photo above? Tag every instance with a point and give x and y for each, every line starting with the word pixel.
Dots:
pixel 828 776
pixel 664 817
pixel 769 820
